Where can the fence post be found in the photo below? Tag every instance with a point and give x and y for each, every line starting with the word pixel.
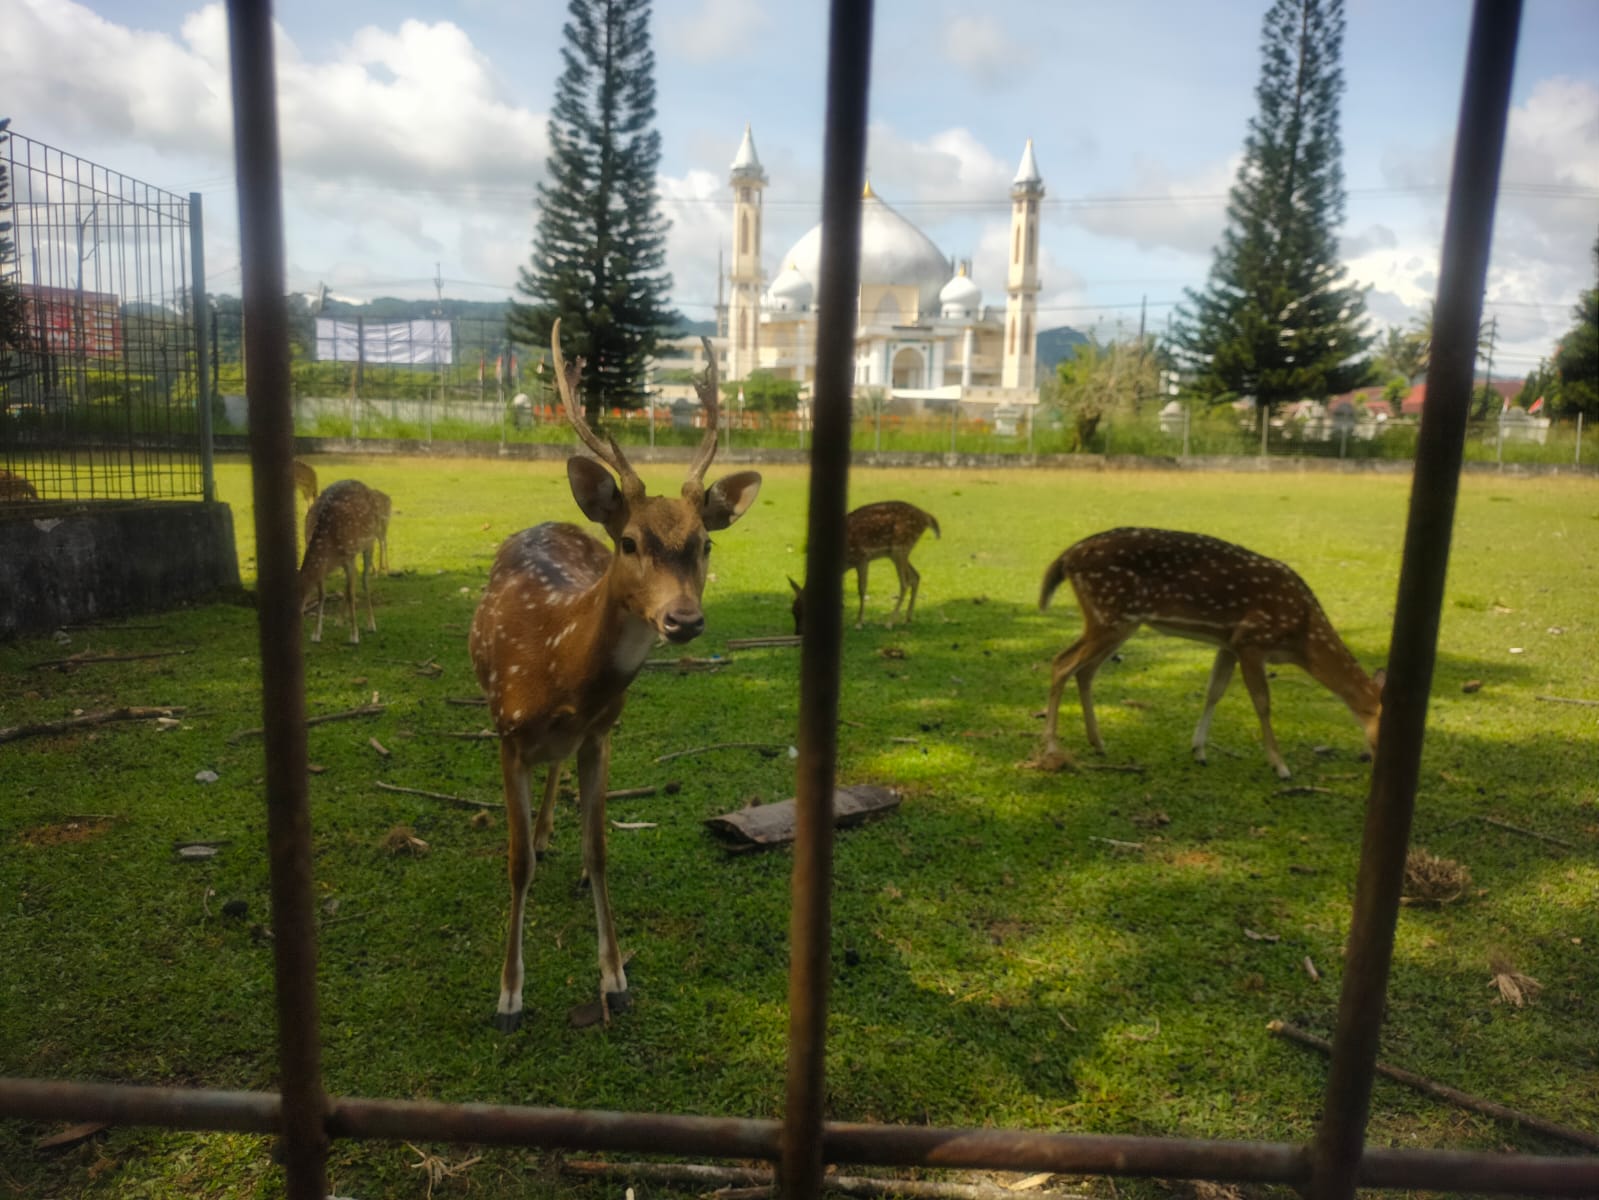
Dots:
pixel 954 419
pixel 1499 443
pixel 202 365
pixel 1577 458
pixel 1188 419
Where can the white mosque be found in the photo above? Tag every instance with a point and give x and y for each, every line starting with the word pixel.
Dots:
pixel 923 334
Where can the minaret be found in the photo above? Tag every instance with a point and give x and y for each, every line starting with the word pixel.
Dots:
pixel 1021 283
pixel 744 311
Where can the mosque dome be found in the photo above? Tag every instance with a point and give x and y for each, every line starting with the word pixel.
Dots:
pixel 961 297
pixel 893 252
pixel 790 291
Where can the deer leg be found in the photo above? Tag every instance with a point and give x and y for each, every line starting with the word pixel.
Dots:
pixel 1080 660
pixel 1093 658
pixel 1221 674
pixel 593 766
pixel 546 822
pixel 860 583
pixel 915 578
pixel 1253 669
pixel 366 587
pixel 349 599
pixel 518 824
pixel 321 596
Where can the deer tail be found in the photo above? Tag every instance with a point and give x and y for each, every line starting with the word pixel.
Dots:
pixel 932 522
pixel 1053 578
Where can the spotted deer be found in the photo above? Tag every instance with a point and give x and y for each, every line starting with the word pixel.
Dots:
pixel 1254 609
pixel 345 520
pixel 305 480
pixel 888 529
pixel 16 487
pixel 563 628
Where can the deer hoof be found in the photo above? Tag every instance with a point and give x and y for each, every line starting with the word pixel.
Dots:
pixel 618 1002
pixel 508 1022
pixel 1052 760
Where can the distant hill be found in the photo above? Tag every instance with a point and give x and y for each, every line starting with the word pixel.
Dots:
pixel 1056 344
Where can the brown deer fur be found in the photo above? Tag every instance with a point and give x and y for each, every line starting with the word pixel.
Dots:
pixel 888 529
pixel 345 520
pixel 563 628
pixel 1254 609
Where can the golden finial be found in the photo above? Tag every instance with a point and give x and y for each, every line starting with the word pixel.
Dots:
pixel 867 193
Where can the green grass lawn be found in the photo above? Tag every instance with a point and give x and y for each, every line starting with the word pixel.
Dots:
pixel 999 959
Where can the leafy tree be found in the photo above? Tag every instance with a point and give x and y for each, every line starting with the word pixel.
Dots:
pixel 764 393
pixel 600 249
pixel 1400 352
pixel 1104 378
pixel 1278 319
pixel 1577 358
pixel 14 339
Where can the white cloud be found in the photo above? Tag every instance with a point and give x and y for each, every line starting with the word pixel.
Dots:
pixel 717 29
pixel 1159 210
pixel 980 47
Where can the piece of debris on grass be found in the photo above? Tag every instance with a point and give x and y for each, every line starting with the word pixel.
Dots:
pixel 206 776
pixel 481 819
pixel 773 824
pixel 71 1135
pixel 1433 880
pixel 634 825
pixel 1261 937
pixel 198 851
pixel 402 839
pixel 378 746
pixel 1515 988
pixel 1204 1189
pixel 1471 685
pixel 436 1169
pixel 1154 819
pixel 896 652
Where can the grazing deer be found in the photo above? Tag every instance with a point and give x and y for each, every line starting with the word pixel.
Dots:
pixel 563 628
pixel 15 487
pixel 305 480
pixel 345 520
pixel 385 509
pixel 887 529
pixel 1254 609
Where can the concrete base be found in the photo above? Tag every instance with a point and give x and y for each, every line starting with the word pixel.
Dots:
pixel 72 564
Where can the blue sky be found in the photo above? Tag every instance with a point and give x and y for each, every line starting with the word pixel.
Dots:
pixel 414 134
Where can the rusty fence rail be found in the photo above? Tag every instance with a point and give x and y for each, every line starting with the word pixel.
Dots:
pixel 1332 1166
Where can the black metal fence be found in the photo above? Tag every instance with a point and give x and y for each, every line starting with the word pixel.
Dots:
pixel 101 387
pixel 803 1141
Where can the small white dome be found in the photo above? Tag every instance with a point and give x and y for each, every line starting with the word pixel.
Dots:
pixel 960 297
pixel 790 292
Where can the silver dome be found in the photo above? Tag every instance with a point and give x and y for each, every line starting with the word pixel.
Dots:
pixel 893 251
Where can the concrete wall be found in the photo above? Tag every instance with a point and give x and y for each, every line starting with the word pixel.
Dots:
pixel 67 563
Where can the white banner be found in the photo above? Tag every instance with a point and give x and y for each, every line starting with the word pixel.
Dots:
pixel 384 342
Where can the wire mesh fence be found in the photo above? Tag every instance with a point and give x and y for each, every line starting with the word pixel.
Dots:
pixel 99 389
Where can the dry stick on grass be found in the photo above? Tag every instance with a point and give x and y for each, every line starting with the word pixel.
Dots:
pixel 1500 1112
pixel 1305 789
pixel 11 733
pixel 1551 699
pixel 752 643
pixel 366 710
pixel 753 1181
pixel 761 746
pixel 1542 837
pixel 460 800
pixel 90 660
pixel 469 701
pixel 686 664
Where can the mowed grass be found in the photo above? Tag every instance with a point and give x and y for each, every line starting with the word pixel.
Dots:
pixel 999 959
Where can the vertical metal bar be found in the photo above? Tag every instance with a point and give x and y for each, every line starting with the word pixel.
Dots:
pixel 1468 232
pixel 255 132
pixel 202 349
pixel 848 70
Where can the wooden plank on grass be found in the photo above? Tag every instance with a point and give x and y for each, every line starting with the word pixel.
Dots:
pixel 773 824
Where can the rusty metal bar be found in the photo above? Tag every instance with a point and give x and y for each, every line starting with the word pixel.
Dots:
pixel 1468 233
pixel 722 1137
pixel 849 58
pixel 266 355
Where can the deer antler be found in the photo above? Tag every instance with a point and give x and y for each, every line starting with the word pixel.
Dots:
pixel 608 452
pixel 710 399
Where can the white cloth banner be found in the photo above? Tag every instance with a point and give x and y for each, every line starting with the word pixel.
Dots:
pixel 384 342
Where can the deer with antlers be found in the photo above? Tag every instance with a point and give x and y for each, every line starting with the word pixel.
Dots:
pixel 888 529
pixel 563 628
pixel 1254 609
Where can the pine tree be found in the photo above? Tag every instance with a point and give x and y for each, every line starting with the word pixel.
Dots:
pixel 1278 319
pixel 14 339
pixel 600 248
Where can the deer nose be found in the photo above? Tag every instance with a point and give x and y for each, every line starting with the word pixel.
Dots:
pixel 683 624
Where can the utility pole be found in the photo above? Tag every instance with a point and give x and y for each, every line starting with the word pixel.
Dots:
pixel 1493 338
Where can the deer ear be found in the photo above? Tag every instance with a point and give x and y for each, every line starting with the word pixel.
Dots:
pixel 595 490
pixel 798 591
pixel 729 498
pixel 1380 677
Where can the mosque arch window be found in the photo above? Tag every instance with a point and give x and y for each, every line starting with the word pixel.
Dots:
pixel 1032 242
pixel 1012 335
pixel 1016 251
pixel 744 233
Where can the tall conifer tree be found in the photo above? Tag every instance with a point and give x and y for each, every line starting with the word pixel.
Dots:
pixel 1278 319
pixel 600 248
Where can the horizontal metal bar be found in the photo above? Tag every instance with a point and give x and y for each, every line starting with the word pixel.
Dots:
pixel 731 1137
